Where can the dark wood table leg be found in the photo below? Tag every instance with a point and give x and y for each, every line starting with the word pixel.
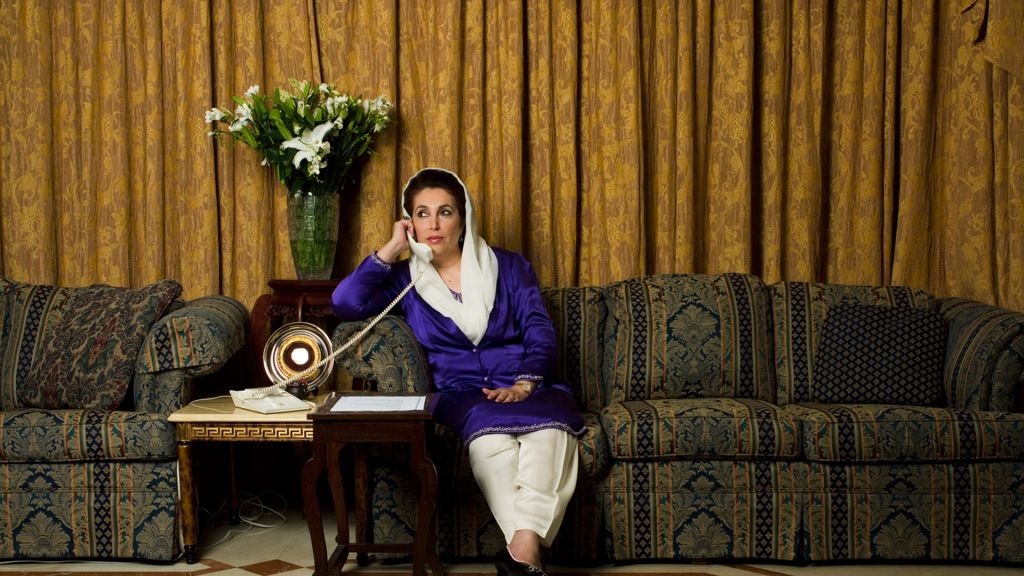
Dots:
pixel 311 472
pixel 188 502
pixel 425 546
pixel 361 485
pixel 338 495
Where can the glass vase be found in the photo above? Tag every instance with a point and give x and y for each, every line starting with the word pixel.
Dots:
pixel 313 234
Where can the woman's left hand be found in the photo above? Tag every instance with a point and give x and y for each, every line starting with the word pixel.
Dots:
pixel 504 395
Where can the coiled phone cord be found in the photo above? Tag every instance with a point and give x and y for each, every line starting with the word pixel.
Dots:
pixel 261 392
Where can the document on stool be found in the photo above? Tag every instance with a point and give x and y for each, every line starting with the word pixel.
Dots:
pixel 378 404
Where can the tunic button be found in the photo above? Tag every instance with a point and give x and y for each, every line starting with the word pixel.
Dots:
pixel 486 378
pixel 474 351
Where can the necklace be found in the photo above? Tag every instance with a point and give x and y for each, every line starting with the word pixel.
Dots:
pixel 447 279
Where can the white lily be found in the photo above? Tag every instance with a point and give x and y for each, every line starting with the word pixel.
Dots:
pixel 214 115
pixel 243 115
pixel 252 91
pixel 333 103
pixel 310 146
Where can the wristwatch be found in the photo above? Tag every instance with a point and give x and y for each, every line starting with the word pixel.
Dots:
pixel 526 386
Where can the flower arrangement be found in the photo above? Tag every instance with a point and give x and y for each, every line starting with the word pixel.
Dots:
pixel 310 136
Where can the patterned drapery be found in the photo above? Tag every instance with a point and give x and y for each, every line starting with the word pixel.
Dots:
pixel 869 142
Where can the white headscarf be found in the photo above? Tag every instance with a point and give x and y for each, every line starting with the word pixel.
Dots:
pixel 479 275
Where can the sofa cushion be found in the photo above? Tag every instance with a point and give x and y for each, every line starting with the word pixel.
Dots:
pixel 74 435
pixel 878 433
pixel 578 315
pixel 697 428
pixel 74 347
pixel 880 355
pixel 799 311
pixel 687 336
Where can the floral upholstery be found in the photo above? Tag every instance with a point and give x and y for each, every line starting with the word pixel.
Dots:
pixel 92 509
pixel 195 337
pixel 35 435
pixel 388 355
pixel 703 509
pixel 687 336
pixel 594 452
pixel 729 428
pixel 702 442
pixel 88 481
pixel 74 347
pixel 578 315
pixel 915 511
pixel 881 433
pixel 982 338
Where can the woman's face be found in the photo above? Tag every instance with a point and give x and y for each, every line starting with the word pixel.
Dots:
pixel 436 221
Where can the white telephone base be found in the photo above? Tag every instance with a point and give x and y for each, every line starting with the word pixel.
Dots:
pixel 276 401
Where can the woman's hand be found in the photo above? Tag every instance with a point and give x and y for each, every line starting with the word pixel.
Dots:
pixel 398 243
pixel 505 395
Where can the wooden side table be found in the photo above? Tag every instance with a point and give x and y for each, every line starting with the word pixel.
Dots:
pixel 331 431
pixel 291 300
pixel 217 420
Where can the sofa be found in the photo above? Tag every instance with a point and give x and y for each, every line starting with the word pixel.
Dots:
pixel 730 419
pixel 88 377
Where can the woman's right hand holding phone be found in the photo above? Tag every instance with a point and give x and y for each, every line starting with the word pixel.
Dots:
pixel 398 243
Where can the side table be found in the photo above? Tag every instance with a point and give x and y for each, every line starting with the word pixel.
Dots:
pixel 218 420
pixel 298 300
pixel 331 431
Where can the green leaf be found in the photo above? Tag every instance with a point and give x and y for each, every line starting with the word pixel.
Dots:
pixel 283 129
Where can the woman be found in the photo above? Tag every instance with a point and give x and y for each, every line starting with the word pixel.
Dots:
pixel 491 347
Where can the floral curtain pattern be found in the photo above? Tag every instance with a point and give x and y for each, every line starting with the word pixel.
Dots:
pixel 869 142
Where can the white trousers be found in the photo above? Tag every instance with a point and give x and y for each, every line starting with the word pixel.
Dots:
pixel 527 479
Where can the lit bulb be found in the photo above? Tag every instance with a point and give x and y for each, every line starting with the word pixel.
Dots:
pixel 300 356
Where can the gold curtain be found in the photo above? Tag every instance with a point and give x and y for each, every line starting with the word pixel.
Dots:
pixel 858 142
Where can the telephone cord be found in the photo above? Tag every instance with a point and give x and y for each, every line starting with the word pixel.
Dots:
pixel 261 392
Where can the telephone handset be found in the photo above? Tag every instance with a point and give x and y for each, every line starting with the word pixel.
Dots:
pixel 274 398
pixel 419 249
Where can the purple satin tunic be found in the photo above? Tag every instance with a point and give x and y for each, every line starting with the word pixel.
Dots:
pixel 519 344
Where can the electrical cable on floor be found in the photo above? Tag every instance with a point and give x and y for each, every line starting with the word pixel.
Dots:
pixel 251 511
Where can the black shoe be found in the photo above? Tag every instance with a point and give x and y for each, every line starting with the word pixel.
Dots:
pixel 507 566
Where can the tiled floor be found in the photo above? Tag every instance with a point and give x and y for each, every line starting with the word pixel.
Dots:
pixel 273 544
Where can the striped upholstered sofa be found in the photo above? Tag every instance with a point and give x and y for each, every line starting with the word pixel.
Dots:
pixel 88 376
pixel 729 419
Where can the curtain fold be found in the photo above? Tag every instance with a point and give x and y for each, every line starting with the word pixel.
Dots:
pixel 869 142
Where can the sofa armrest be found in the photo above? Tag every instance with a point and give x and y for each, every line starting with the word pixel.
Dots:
pixel 984 355
pixel 388 355
pixel 192 340
pixel 595 454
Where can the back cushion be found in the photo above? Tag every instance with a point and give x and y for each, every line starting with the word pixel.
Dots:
pixel 800 309
pixel 578 315
pixel 73 347
pixel 688 336
pixel 880 355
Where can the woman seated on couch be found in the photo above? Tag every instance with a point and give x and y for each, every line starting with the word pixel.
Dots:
pixel 491 346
